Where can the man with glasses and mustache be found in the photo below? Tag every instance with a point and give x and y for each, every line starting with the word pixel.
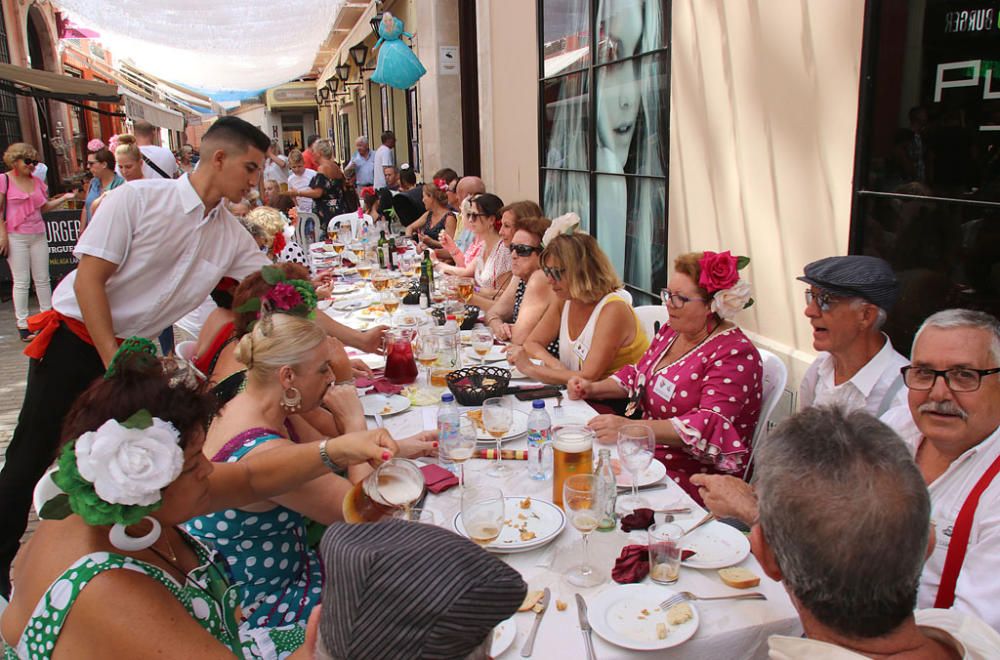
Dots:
pixel 847 304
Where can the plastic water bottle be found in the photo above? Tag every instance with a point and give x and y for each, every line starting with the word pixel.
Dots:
pixel 607 491
pixel 448 424
pixel 539 435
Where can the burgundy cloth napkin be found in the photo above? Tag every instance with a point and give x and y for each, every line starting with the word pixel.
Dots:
pixel 638 519
pixel 438 479
pixel 379 384
pixel 632 564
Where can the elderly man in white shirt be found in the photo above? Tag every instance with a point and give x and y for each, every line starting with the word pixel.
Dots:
pixel 847 303
pixel 952 428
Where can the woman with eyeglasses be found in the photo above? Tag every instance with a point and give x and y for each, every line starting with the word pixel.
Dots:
pixel 101 165
pixel 593 319
pixel 491 267
pixel 23 199
pixel 699 386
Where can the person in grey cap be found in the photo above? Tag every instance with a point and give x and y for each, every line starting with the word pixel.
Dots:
pixel 396 590
pixel 847 303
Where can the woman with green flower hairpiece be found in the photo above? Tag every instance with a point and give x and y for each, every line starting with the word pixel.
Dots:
pixel 106 508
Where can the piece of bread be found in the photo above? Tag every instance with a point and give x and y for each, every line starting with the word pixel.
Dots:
pixel 738 578
pixel 530 600
pixel 661 631
pixel 679 613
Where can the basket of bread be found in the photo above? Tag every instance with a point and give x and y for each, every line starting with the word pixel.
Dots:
pixel 473 385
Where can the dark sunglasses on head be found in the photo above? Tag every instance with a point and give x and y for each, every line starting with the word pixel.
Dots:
pixel 553 273
pixel 522 250
pixel 30 161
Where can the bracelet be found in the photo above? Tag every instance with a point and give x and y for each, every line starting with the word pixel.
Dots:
pixel 325 457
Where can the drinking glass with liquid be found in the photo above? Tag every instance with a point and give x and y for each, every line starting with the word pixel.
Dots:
pixel 482 513
pixel 572 453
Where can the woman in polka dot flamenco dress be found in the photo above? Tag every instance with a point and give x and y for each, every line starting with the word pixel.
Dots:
pixel 699 385
pixel 108 548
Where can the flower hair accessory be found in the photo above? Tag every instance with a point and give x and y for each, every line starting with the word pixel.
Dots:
pixel 564 224
pixel 114 475
pixel 296 297
pixel 441 185
pixel 719 275
pixel 95 145
pixel 368 191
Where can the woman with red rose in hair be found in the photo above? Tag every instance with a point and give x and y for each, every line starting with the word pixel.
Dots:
pixel 699 386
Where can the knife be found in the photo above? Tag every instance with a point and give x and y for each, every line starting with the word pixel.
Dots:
pixel 646 487
pixel 529 644
pixel 581 610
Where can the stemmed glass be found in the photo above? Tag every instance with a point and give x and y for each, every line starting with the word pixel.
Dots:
pixel 390 302
pixel 344 233
pixel 636 445
pixel 482 342
pixel 482 513
pixel 427 354
pixel 365 269
pixel 582 503
pixel 465 288
pixel 498 415
pixel 459 447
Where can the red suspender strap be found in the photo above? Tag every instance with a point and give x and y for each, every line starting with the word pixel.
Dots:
pixel 959 543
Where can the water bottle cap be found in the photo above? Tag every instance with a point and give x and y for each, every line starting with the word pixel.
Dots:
pixel 447 397
pixel 537 403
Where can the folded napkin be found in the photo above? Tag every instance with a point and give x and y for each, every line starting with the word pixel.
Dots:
pixel 379 384
pixel 632 564
pixel 638 519
pixel 438 479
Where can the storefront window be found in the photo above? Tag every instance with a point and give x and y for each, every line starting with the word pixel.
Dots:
pixel 604 113
pixel 927 186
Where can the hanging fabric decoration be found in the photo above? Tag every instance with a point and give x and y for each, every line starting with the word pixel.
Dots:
pixel 397 65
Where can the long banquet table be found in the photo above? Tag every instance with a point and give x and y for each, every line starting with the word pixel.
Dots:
pixel 728 629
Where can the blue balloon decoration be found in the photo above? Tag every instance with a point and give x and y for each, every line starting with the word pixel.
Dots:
pixel 397 65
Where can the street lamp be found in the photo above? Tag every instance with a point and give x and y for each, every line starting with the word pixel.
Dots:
pixel 375 22
pixel 332 84
pixel 359 53
pixel 343 71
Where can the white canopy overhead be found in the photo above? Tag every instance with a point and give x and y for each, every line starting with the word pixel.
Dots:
pixel 212 44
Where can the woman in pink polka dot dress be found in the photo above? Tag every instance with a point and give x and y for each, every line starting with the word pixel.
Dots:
pixel 699 386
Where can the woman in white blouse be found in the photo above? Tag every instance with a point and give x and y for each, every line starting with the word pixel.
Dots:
pixel 492 266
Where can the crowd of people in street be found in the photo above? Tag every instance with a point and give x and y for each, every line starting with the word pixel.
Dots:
pixel 874 505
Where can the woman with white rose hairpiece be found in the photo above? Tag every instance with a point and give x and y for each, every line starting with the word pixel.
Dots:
pixel 699 385
pixel 109 549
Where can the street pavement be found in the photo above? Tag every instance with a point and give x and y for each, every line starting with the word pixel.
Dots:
pixel 13 376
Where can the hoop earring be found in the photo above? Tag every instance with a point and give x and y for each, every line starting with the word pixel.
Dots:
pixel 121 540
pixel 291 399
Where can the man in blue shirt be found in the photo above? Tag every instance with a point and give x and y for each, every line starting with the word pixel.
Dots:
pixel 362 163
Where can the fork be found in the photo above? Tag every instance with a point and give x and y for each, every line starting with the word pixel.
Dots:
pixel 682 596
pixel 558 400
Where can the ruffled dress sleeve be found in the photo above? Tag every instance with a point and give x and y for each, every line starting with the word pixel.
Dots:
pixel 715 430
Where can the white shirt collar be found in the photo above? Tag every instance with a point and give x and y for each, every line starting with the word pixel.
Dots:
pixel 867 376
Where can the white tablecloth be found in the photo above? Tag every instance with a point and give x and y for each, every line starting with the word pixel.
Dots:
pixel 728 629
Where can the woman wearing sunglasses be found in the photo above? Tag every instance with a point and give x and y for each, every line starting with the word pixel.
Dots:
pixel 491 267
pixel 699 386
pixel 23 200
pixel 593 319
pixel 101 165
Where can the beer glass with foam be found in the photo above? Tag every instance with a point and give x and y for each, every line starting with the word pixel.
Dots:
pixel 572 453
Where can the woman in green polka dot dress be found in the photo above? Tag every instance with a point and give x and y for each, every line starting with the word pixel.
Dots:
pixel 108 548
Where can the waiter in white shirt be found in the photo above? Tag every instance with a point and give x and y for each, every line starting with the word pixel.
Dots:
pixel 847 304
pixel 952 427
pixel 384 158
pixel 157 162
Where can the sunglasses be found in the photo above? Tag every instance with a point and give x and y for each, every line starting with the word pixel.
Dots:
pixel 29 161
pixel 553 273
pixel 522 250
pixel 91 162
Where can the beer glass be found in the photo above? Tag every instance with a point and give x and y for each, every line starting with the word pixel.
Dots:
pixel 393 486
pixel 482 513
pixel 498 415
pixel 465 288
pixel 635 451
pixel 582 503
pixel 572 453
pixel 482 342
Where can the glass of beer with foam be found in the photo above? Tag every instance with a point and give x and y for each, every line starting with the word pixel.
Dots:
pixel 572 453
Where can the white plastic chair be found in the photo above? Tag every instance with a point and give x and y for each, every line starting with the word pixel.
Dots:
pixel 649 315
pixel 307 230
pixel 775 379
pixel 353 219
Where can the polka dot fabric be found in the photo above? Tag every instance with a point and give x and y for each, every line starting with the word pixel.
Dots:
pixel 42 632
pixel 715 405
pixel 280 577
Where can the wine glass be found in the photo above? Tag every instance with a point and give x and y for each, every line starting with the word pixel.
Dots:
pixel 482 513
pixel 635 450
pixel 408 265
pixel 427 354
pixel 390 302
pixel 344 233
pixel 582 503
pixel 498 415
pixel 465 288
pixel 458 447
pixel 482 342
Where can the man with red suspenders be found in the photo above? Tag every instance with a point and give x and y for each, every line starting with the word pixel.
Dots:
pixel 952 426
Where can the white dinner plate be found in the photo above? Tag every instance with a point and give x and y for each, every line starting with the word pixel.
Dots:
pixel 496 354
pixel 503 636
pixel 341 289
pixel 351 305
pixel 384 404
pixel 374 315
pixel 616 614
pixel 716 545
pixel 345 271
pixel 542 518
pixel 655 472
pixel 518 427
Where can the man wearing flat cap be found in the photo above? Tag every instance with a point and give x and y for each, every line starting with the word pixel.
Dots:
pixel 847 303
pixel 397 590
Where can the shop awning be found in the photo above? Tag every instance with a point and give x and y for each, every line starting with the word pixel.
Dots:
pixel 137 107
pixel 46 84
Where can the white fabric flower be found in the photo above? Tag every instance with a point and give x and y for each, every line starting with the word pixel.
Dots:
pixel 564 224
pixel 727 303
pixel 130 466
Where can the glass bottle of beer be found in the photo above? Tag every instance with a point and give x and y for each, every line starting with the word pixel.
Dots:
pixel 383 251
pixel 427 275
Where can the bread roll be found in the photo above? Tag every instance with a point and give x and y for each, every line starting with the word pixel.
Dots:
pixel 739 578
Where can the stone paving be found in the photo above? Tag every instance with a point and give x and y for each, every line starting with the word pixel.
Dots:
pixel 13 376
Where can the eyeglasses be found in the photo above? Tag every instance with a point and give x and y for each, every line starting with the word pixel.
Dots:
pixel 553 273
pixel 958 379
pixel 823 299
pixel 29 161
pixel 475 216
pixel 522 250
pixel 676 300
pixel 91 162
